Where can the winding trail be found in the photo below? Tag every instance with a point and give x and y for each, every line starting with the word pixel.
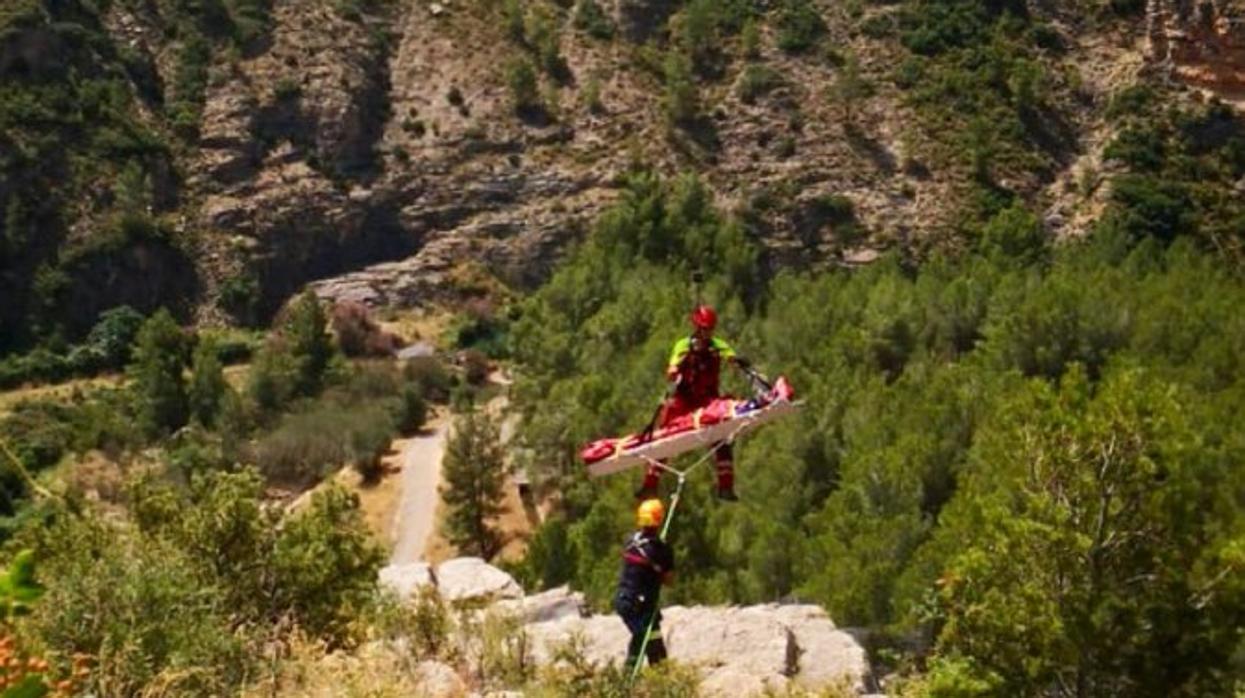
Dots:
pixel 415 517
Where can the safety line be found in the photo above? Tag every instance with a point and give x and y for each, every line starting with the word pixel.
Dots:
pixel 665 528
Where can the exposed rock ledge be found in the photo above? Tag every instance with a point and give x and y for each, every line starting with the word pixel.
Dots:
pixel 740 651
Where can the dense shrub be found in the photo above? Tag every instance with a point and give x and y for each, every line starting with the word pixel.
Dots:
pixel 480 327
pixel 106 348
pixel 755 81
pixel 524 87
pixel 182 600
pixel 591 19
pixel 429 376
pixel 136 606
pixel 358 334
pixel 310 444
pixel 799 25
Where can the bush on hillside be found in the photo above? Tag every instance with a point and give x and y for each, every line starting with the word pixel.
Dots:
pixel 358 334
pixel 429 376
pixel 308 445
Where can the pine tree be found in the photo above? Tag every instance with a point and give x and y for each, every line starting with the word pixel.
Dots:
pixel 311 347
pixel 157 374
pixel 750 40
pixel 16 227
pixel 699 33
pixel 524 86
pixel 682 101
pixel 474 477
pixel 849 90
pixel 207 386
pixel 515 25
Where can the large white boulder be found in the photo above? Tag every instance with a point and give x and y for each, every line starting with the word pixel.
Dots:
pixel 740 651
pixel 470 579
pixel 826 653
pixel 546 606
pixel 600 639
pixel 407 579
pixel 438 680
pixel 729 644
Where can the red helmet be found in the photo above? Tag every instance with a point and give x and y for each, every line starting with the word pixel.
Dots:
pixel 704 318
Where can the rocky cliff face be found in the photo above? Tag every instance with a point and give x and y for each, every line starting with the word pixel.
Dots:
pixel 371 147
pixel 462 179
pixel 349 143
pixel 1202 42
pixel 739 651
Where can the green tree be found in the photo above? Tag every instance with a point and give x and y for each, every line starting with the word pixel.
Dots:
pixel 207 384
pixel 270 380
pixel 326 563
pixel 1026 83
pixel 16 227
pixel 411 412
pixel 698 33
pixel 590 18
pixel 1095 546
pixel 310 346
pixel 133 189
pixel 980 145
pixel 475 474
pixel 157 371
pixel 681 100
pixel 545 40
pixel 1014 236
pixel 524 86
pixel 849 90
pixel 750 40
pixel 592 95
pixel 113 335
pixel 516 28
pixel 799 25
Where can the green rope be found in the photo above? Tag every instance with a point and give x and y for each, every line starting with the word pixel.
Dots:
pixel 21 470
pixel 652 619
pixel 665 528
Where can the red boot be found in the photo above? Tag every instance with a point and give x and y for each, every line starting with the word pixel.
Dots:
pixel 726 482
pixel 648 489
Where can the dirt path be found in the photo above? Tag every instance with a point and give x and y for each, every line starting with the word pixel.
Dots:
pixel 415 517
pixel 419 510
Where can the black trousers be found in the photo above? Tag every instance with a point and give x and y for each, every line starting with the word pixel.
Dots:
pixel 635 611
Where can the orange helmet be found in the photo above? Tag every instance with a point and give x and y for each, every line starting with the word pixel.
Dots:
pixel 650 513
pixel 704 318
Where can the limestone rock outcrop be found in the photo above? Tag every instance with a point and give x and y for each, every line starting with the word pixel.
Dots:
pixel 739 651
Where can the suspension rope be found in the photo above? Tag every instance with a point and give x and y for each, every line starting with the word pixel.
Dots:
pixel 22 472
pixel 665 529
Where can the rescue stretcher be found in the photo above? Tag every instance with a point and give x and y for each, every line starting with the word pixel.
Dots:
pixel 724 419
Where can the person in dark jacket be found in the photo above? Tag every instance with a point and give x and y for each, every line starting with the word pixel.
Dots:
pixel 647 564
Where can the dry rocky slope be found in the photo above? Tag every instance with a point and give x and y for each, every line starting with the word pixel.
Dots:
pixel 1201 43
pixel 371 147
pixel 740 651
pixel 377 152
